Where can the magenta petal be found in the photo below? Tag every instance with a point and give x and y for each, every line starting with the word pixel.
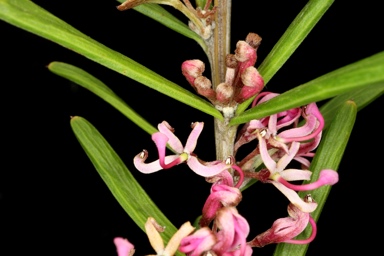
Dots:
pixel 206 170
pixel 193 136
pixel 123 246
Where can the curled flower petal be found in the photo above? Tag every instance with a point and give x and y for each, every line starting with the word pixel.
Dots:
pixel 197 243
pixel 233 230
pixel 175 240
pixel 221 195
pixel 193 136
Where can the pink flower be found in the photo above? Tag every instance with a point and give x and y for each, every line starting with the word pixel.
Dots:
pixel 231 230
pixel 123 246
pixel 183 154
pixel 198 243
pixel 221 195
pixel 285 229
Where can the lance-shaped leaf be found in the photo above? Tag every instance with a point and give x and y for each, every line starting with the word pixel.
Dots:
pixel 29 16
pixel 364 73
pixel 94 85
pixel 159 14
pixel 290 41
pixel 362 97
pixel 328 156
pixel 118 178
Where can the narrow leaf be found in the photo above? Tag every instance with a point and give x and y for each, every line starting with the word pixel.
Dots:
pixel 159 14
pixel 118 178
pixel 362 97
pixel 94 85
pixel 27 15
pixel 361 74
pixel 328 156
pixel 293 37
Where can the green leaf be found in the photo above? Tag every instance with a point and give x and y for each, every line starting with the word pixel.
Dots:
pixel 26 15
pixel 328 156
pixel 293 37
pixel 159 14
pixel 290 41
pixel 362 97
pixel 118 178
pixel 94 85
pixel 361 74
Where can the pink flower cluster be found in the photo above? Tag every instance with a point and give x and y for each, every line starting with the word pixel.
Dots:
pixel 282 138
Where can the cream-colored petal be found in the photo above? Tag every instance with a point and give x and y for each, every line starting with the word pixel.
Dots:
pixel 154 236
pixel 174 242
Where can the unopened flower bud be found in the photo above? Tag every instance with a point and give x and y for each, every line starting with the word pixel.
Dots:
pixel 253 40
pixel 253 84
pixel 203 83
pixel 245 52
pixel 192 69
pixel 203 87
pixel 230 73
pixel 224 93
pixel 246 55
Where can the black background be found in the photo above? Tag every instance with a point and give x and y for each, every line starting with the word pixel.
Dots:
pixel 54 202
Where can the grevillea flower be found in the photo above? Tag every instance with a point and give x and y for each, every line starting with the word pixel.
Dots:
pixel 183 154
pixel 285 229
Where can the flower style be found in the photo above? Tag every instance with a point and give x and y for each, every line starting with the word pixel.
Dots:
pixel 285 229
pixel 183 154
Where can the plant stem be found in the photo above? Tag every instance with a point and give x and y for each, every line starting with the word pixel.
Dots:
pixel 224 134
